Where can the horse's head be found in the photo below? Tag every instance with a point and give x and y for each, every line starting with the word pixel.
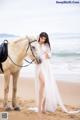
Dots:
pixel 33 50
pixel 27 47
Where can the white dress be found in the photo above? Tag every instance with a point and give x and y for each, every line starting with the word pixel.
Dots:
pixel 52 95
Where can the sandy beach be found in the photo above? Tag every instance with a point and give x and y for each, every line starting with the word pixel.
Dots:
pixel 26 98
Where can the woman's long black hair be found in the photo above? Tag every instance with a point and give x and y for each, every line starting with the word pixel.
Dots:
pixel 44 34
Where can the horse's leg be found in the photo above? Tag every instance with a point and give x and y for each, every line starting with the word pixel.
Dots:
pixel 6 90
pixel 15 78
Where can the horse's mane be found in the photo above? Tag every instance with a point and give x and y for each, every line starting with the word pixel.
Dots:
pixel 20 39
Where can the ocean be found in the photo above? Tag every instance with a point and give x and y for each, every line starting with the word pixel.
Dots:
pixel 65 57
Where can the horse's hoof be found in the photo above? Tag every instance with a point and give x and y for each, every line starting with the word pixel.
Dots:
pixel 17 108
pixel 8 109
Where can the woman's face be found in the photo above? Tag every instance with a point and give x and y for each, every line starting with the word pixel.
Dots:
pixel 42 40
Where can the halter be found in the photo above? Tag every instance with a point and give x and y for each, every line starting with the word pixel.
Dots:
pixel 29 45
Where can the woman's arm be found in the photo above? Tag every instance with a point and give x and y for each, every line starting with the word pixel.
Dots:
pixel 47 52
pixel 47 55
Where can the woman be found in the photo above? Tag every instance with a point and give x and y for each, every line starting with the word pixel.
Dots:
pixel 47 94
pixel 45 54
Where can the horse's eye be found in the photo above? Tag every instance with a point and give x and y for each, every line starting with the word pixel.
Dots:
pixel 33 47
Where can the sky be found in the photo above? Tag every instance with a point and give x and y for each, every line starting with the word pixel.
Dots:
pixel 22 17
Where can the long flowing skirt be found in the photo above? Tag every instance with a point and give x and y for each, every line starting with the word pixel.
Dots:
pixel 52 95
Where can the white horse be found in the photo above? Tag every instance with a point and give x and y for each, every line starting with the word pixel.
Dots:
pixel 17 51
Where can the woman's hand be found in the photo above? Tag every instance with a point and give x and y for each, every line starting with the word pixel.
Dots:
pixel 46 55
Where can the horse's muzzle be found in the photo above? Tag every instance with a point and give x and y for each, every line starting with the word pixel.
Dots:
pixel 39 61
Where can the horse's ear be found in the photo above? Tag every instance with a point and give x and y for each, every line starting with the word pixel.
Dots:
pixel 27 37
